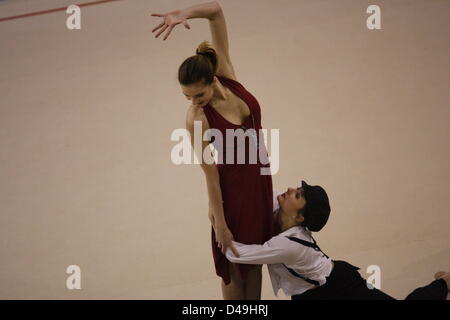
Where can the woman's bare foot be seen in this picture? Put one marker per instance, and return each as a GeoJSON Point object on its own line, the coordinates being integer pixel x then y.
{"type": "Point", "coordinates": [443, 275]}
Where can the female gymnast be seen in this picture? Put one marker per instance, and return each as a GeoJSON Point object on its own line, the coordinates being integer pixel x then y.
{"type": "Point", "coordinates": [240, 197]}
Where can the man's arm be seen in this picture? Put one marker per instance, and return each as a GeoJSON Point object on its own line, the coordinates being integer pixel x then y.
{"type": "Point", "coordinates": [276, 250]}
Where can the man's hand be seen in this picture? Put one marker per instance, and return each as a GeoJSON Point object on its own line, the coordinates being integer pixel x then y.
{"type": "Point", "coordinates": [224, 238]}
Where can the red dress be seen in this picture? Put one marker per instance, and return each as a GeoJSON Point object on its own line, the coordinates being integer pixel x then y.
{"type": "Point", "coordinates": [246, 194]}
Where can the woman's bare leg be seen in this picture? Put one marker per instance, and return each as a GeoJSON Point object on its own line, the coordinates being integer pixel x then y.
{"type": "Point", "coordinates": [253, 283]}
{"type": "Point", "coordinates": [235, 290]}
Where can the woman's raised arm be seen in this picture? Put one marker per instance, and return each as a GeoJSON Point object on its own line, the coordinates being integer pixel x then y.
{"type": "Point", "coordinates": [213, 12]}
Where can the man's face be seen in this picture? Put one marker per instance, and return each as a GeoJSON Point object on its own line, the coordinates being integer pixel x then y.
{"type": "Point", "coordinates": [291, 202]}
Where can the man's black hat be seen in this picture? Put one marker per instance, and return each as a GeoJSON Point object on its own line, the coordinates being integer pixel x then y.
{"type": "Point", "coordinates": [317, 209]}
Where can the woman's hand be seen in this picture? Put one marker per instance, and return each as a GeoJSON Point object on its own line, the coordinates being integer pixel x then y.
{"type": "Point", "coordinates": [170, 20]}
{"type": "Point", "coordinates": [224, 238]}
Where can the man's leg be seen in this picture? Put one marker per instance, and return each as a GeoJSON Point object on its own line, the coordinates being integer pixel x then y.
{"type": "Point", "coordinates": [362, 292]}
{"type": "Point", "coordinates": [347, 284]}
{"type": "Point", "coordinates": [436, 290]}
{"type": "Point", "coordinates": [344, 283]}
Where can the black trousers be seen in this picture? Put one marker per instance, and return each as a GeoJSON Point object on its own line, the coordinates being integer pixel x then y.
{"type": "Point", "coordinates": [345, 283]}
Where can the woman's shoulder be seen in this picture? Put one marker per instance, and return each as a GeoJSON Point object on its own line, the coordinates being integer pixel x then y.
{"type": "Point", "coordinates": [229, 81]}
{"type": "Point", "coordinates": [226, 78]}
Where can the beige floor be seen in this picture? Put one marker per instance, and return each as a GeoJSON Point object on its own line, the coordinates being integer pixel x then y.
{"type": "Point", "coordinates": [86, 118]}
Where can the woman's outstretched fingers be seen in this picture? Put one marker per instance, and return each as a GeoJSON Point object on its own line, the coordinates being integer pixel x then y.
{"type": "Point", "coordinates": [159, 26]}
{"type": "Point", "coordinates": [162, 30]}
{"type": "Point", "coordinates": [168, 32]}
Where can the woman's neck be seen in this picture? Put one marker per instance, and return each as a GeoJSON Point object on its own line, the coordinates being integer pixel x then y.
{"type": "Point", "coordinates": [220, 91]}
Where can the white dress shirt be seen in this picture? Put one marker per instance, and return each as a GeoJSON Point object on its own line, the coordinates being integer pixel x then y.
{"type": "Point", "coordinates": [280, 252]}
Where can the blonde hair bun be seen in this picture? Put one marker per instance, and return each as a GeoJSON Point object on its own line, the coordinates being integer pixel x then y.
{"type": "Point", "coordinates": [201, 67]}
{"type": "Point", "coordinates": [204, 47]}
